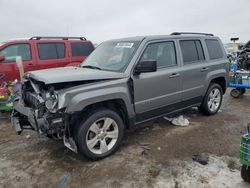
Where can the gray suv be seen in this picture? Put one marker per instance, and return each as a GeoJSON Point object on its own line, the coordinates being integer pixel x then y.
{"type": "Point", "coordinates": [122, 84]}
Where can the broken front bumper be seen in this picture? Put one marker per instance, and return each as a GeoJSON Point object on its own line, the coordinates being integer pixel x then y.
{"type": "Point", "coordinates": [27, 118]}
{"type": "Point", "coordinates": [23, 117]}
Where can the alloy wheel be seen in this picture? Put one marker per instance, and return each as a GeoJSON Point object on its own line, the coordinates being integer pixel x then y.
{"type": "Point", "coordinates": [102, 135]}
{"type": "Point", "coordinates": [214, 100]}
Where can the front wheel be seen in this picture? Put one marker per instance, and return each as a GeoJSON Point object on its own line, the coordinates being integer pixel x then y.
{"type": "Point", "coordinates": [100, 134]}
{"type": "Point", "coordinates": [212, 101]}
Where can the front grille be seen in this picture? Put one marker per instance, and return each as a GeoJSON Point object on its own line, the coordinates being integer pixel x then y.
{"type": "Point", "coordinates": [31, 99]}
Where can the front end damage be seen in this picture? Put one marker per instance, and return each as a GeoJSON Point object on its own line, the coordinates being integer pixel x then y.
{"type": "Point", "coordinates": [38, 110]}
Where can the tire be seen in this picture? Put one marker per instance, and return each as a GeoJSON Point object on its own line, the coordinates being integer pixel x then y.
{"type": "Point", "coordinates": [243, 91]}
{"type": "Point", "coordinates": [236, 93]}
{"type": "Point", "coordinates": [245, 173]}
{"type": "Point", "coordinates": [95, 140]}
{"type": "Point", "coordinates": [211, 106]}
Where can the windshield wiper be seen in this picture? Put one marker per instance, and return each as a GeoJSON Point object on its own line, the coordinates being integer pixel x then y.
{"type": "Point", "coordinates": [91, 67]}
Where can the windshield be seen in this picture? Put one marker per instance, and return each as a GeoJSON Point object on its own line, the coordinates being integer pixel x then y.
{"type": "Point", "coordinates": [112, 55]}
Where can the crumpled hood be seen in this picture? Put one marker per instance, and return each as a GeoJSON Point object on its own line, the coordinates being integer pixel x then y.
{"type": "Point", "coordinates": [72, 74]}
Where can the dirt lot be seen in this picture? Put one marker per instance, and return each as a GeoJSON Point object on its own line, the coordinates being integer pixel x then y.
{"type": "Point", "coordinates": [167, 161]}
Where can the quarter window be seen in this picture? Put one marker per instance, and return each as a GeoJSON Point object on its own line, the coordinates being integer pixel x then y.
{"type": "Point", "coordinates": [192, 51]}
{"type": "Point", "coordinates": [81, 49]}
{"type": "Point", "coordinates": [214, 49]}
{"type": "Point", "coordinates": [51, 51]}
{"type": "Point", "coordinates": [14, 50]}
{"type": "Point", "coordinates": [163, 52]}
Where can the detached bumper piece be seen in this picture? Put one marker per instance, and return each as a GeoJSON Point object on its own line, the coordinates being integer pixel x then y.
{"type": "Point", "coordinates": [16, 124]}
{"type": "Point", "coordinates": [23, 118]}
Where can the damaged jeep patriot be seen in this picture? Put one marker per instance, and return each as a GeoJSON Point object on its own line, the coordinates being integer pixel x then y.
{"type": "Point", "coordinates": [123, 83]}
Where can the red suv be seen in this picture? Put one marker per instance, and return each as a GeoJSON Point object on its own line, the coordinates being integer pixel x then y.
{"type": "Point", "coordinates": [42, 53]}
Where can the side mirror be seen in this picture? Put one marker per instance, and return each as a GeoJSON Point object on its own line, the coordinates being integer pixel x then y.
{"type": "Point", "coordinates": [2, 58]}
{"type": "Point", "coordinates": [146, 66]}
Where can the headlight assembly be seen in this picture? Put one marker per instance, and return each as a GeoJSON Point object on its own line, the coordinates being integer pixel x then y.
{"type": "Point", "coordinates": [51, 102]}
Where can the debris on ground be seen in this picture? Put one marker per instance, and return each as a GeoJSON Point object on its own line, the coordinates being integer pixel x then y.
{"type": "Point", "coordinates": [144, 152]}
{"type": "Point", "coordinates": [64, 180]}
{"type": "Point", "coordinates": [145, 147]}
{"type": "Point", "coordinates": [179, 121]}
{"type": "Point", "coordinates": [28, 136]}
{"type": "Point", "coordinates": [201, 158]}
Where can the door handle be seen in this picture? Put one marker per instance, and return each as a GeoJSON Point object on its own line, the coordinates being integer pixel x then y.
{"type": "Point", "coordinates": [204, 69]}
{"type": "Point", "coordinates": [30, 64]}
{"type": "Point", "coordinates": [174, 75]}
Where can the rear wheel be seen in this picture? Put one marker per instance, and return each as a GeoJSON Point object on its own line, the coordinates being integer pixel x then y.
{"type": "Point", "coordinates": [212, 100]}
{"type": "Point", "coordinates": [100, 134]}
{"type": "Point", "coordinates": [245, 173]}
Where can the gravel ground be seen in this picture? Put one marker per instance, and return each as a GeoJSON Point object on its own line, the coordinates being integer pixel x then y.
{"type": "Point", "coordinates": [32, 161]}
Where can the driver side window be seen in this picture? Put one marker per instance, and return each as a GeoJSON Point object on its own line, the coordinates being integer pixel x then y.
{"type": "Point", "coordinates": [14, 50]}
{"type": "Point", "coordinates": [163, 52]}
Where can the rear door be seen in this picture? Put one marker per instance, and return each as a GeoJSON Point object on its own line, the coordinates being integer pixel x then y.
{"type": "Point", "coordinates": [51, 54]}
{"type": "Point", "coordinates": [80, 50]}
{"type": "Point", "coordinates": [195, 70]}
{"type": "Point", "coordinates": [159, 92]}
{"type": "Point", "coordinates": [11, 51]}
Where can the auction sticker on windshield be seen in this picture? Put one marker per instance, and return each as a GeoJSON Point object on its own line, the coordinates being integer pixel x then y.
{"type": "Point", "coordinates": [124, 45]}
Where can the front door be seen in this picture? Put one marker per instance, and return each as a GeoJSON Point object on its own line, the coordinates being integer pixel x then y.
{"type": "Point", "coordinates": [8, 68]}
{"type": "Point", "coordinates": [159, 92]}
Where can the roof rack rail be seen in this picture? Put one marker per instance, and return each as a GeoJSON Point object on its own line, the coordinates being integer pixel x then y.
{"type": "Point", "coordinates": [63, 38]}
{"type": "Point", "coordinates": [191, 33]}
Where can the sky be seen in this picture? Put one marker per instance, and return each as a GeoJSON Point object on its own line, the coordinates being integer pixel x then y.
{"type": "Point", "coordinates": [109, 19]}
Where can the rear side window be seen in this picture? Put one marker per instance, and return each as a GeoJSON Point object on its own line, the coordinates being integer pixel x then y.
{"type": "Point", "coordinates": [81, 49]}
{"type": "Point", "coordinates": [214, 49]}
{"type": "Point", "coordinates": [51, 51]}
{"type": "Point", "coordinates": [14, 50]}
{"type": "Point", "coordinates": [192, 51]}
